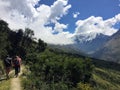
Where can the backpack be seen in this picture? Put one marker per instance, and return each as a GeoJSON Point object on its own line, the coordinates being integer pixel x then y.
{"type": "Point", "coordinates": [7, 62]}
{"type": "Point", "coordinates": [17, 63]}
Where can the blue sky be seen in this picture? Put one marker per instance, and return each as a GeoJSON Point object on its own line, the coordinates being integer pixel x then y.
{"type": "Point", "coordinates": [59, 21]}
{"type": "Point", "coordinates": [104, 8]}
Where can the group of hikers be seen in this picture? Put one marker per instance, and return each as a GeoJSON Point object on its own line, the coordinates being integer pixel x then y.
{"type": "Point", "coordinates": [9, 63]}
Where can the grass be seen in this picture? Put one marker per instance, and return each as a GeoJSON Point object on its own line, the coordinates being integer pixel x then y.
{"type": "Point", "coordinates": [5, 85]}
{"type": "Point", "coordinates": [106, 79]}
{"type": "Point", "coordinates": [1, 68]}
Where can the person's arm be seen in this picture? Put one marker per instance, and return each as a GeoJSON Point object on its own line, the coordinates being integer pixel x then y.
{"type": "Point", "coordinates": [10, 61]}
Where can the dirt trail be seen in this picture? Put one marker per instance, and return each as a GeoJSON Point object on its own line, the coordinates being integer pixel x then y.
{"type": "Point", "coordinates": [16, 82]}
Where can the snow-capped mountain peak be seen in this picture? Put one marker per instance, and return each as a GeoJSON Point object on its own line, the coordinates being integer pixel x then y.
{"type": "Point", "coordinates": [86, 37]}
{"type": "Point", "coordinates": [89, 42]}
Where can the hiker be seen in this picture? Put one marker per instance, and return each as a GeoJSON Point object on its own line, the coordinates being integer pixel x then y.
{"type": "Point", "coordinates": [17, 64]}
{"type": "Point", "coordinates": [7, 64]}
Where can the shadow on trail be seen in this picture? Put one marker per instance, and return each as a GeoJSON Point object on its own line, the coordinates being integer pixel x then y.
{"type": "Point", "coordinates": [2, 79]}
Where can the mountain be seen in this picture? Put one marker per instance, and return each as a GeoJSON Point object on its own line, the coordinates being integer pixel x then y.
{"type": "Point", "coordinates": [89, 43]}
{"type": "Point", "coordinates": [67, 49]}
{"type": "Point", "coordinates": [84, 44]}
{"type": "Point", "coordinates": [111, 50]}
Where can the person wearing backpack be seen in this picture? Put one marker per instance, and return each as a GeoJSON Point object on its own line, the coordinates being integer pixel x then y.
{"type": "Point", "coordinates": [7, 64]}
{"type": "Point", "coordinates": [17, 64]}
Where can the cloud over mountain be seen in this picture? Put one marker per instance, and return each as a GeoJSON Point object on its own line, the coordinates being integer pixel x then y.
{"type": "Point", "coordinates": [97, 25]}
{"type": "Point", "coordinates": [23, 13]}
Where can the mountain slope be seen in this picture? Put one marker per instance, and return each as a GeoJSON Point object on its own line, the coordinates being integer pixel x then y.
{"type": "Point", "coordinates": [67, 49]}
{"type": "Point", "coordinates": [90, 43]}
{"type": "Point", "coordinates": [106, 79]}
{"type": "Point", "coordinates": [84, 44]}
{"type": "Point", "coordinates": [111, 50]}
{"type": "Point", "coordinates": [106, 75]}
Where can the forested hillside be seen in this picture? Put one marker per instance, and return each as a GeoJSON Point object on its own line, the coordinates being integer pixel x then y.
{"type": "Point", "coordinates": [18, 42]}
{"type": "Point", "coordinates": [48, 69]}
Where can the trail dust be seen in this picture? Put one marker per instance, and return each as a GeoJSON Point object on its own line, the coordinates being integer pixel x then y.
{"type": "Point", "coordinates": [16, 82]}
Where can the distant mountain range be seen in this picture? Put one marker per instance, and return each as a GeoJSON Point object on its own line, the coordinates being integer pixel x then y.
{"type": "Point", "coordinates": [94, 45]}
{"type": "Point", "coordinates": [67, 49]}
{"type": "Point", "coordinates": [90, 43]}
{"type": "Point", "coordinates": [110, 51]}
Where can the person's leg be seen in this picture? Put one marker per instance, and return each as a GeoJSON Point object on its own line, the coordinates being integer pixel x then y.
{"type": "Point", "coordinates": [7, 72]}
{"type": "Point", "coordinates": [16, 71]}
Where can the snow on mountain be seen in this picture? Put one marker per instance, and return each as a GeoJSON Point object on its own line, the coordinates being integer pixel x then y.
{"type": "Point", "coordinates": [89, 43]}
{"type": "Point", "coordinates": [110, 51]}
{"type": "Point", "coordinates": [85, 37]}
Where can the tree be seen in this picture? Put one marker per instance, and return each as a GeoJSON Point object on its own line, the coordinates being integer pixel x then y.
{"type": "Point", "coordinates": [19, 37]}
{"type": "Point", "coordinates": [4, 43]}
{"type": "Point", "coordinates": [27, 37]}
{"type": "Point", "coordinates": [29, 33]}
{"type": "Point", "coordinates": [3, 26]}
{"type": "Point", "coordinates": [41, 46]}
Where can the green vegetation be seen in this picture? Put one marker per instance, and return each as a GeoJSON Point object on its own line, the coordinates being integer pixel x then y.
{"type": "Point", "coordinates": [56, 71]}
{"type": "Point", "coordinates": [5, 85]}
{"type": "Point", "coordinates": [20, 42]}
{"type": "Point", "coordinates": [1, 69]}
{"type": "Point", "coordinates": [82, 86]}
{"type": "Point", "coordinates": [48, 69]}
{"type": "Point", "coordinates": [106, 79]}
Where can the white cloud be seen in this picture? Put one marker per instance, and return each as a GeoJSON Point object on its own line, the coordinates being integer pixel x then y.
{"type": "Point", "coordinates": [22, 14]}
{"type": "Point", "coordinates": [60, 38]}
{"type": "Point", "coordinates": [76, 14]}
{"type": "Point", "coordinates": [119, 5]}
{"type": "Point", "coordinates": [17, 13]}
{"type": "Point", "coordinates": [58, 9]}
{"type": "Point", "coordinates": [97, 25]}
{"type": "Point", "coordinates": [4, 9]}
{"type": "Point", "coordinates": [22, 6]}
{"type": "Point", "coordinates": [59, 27]}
